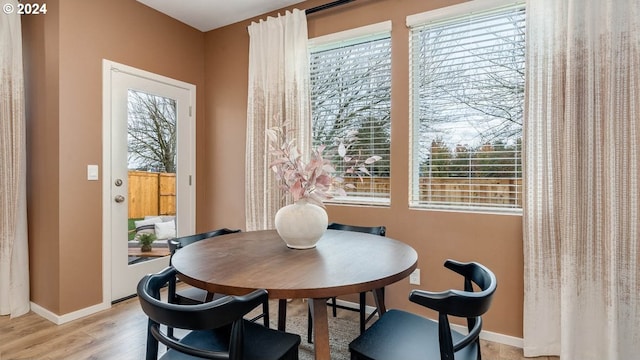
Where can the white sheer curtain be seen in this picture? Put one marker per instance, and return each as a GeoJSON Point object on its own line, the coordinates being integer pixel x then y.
{"type": "Point", "coordinates": [582, 168]}
{"type": "Point", "coordinates": [14, 257]}
{"type": "Point", "coordinates": [278, 92]}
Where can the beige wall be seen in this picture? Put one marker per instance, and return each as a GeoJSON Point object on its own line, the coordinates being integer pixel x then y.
{"type": "Point", "coordinates": [65, 129]}
{"type": "Point", "coordinates": [41, 61]}
{"type": "Point", "coordinates": [495, 240]}
{"type": "Point", "coordinates": [63, 53]}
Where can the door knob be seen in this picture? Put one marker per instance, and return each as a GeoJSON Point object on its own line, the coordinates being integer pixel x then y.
{"type": "Point", "coordinates": [119, 198]}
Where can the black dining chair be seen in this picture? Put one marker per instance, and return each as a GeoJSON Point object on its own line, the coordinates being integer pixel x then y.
{"type": "Point", "coordinates": [364, 319]}
{"type": "Point", "coordinates": [214, 330]}
{"type": "Point", "coordinates": [402, 335]}
{"type": "Point", "coordinates": [188, 294]}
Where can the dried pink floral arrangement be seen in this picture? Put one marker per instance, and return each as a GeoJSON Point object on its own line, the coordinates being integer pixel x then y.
{"type": "Point", "coordinates": [315, 180]}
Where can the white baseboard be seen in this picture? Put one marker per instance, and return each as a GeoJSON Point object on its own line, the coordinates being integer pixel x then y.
{"type": "Point", "coordinates": [355, 306]}
{"type": "Point", "coordinates": [493, 336]}
{"type": "Point", "coordinates": [484, 335]}
{"type": "Point", "coordinates": [61, 319]}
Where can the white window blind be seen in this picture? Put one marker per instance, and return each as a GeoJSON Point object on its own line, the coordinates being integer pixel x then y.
{"type": "Point", "coordinates": [351, 92]}
{"type": "Point", "coordinates": [467, 98]}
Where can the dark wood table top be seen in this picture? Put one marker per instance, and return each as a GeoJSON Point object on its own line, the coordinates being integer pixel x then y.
{"type": "Point", "coordinates": [343, 262]}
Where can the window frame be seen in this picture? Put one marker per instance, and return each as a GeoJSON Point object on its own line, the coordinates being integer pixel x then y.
{"type": "Point", "coordinates": [342, 39]}
{"type": "Point", "coordinates": [445, 15]}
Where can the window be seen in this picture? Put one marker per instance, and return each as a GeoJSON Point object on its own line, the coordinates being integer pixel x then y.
{"type": "Point", "coordinates": [351, 93]}
{"type": "Point", "coordinates": [467, 100]}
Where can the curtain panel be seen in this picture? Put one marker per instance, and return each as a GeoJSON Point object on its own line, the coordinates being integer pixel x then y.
{"type": "Point", "coordinates": [14, 257]}
{"type": "Point", "coordinates": [278, 93]}
{"type": "Point", "coordinates": [582, 199]}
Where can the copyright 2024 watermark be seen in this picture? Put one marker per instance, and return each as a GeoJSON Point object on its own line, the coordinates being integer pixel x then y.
{"type": "Point", "coordinates": [25, 9]}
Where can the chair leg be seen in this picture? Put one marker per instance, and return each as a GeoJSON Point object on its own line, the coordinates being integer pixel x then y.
{"type": "Point", "coordinates": [282, 314]}
{"type": "Point", "coordinates": [309, 324]}
{"type": "Point", "coordinates": [171, 298]}
{"type": "Point", "coordinates": [363, 313]}
{"type": "Point", "coordinates": [152, 343]}
{"type": "Point", "coordinates": [334, 307]}
{"type": "Point", "coordinates": [265, 313]}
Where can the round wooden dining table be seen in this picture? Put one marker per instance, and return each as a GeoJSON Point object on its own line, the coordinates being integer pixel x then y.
{"type": "Point", "coordinates": [343, 262]}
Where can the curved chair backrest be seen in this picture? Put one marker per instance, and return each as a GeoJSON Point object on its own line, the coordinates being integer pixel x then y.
{"type": "Point", "coordinates": [461, 303]}
{"type": "Point", "coordinates": [467, 304]}
{"type": "Point", "coordinates": [375, 230]}
{"type": "Point", "coordinates": [180, 242]}
{"type": "Point", "coordinates": [211, 315]}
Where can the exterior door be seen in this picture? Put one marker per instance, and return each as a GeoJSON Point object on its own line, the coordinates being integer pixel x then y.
{"type": "Point", "coordinates": [149, 171]}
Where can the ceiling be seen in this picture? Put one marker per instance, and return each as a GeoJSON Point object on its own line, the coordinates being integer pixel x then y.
{"type": "Point", "coordinates": [206, 15]}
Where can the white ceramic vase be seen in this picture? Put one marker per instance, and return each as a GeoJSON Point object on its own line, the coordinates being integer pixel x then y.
{"type": "Point", "coordinates": [301, 224]}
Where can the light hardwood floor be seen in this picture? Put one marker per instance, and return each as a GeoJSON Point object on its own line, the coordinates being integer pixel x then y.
{"type": "Point", "coordinates": [119, 333]}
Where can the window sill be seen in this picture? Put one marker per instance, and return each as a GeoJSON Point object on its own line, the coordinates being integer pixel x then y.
{"type": "Point", "coordinates": [469, 209]}
{"type": "Point", "coordinates": [359, 201]}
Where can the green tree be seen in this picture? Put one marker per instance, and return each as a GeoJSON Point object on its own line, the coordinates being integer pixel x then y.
{"type": "Point", "coordinates": [461, 164]}
{"type": "Point", "coordinates": [498, 160]}
{"type": "Point", "coordinates": [439, 164]}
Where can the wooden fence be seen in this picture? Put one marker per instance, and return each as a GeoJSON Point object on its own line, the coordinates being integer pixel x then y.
{"type": "Point", "coordinates": [503, 192]}
{"type": "Point", "coordinates": [151, 193]}
{"type": "Point", "coordinates": [499, 191]}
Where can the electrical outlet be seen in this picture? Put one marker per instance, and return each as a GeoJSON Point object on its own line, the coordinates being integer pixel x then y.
{"type": "Point", "coordinates": [414, 278]}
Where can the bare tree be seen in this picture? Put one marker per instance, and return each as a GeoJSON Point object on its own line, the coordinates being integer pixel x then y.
{"type": "Point", "coordinates": [469, 93]}
{"type": "Point", "coordinates": [351, 92]}
{"type": "Point", "coordinates": [152, 132]}
{"type": "Point", "coordinates": [496, 87]}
